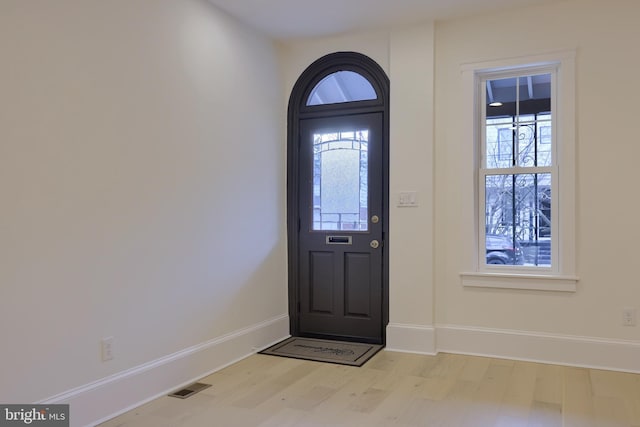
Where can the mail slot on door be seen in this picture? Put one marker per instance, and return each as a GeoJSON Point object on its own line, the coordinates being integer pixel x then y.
{"type": "Point", "coordinates": [338, 240]}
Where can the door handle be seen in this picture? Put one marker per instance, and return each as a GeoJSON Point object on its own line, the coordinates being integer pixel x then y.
{"type": "Point", "coordinates": [374, 244]}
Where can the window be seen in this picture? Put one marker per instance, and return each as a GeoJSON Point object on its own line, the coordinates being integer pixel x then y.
{"type": "Point", "coordinates": [342, 86]}
{"type": "Point", "coordinates": [523, 159]}
{"type": "Point", "coordinates": [517, 172]}
{"type": "Point", "coordinates": [340, 186]}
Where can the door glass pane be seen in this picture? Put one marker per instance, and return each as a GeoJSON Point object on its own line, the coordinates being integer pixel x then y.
{"type": "Point", "coordinates": [342, 86]}
{"type": "Point", "coordinates": [518, 219]}
{"type": "Point", "coordinates": [340, 180]}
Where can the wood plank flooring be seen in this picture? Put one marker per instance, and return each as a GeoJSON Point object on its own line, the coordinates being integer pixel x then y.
{"type": "Point", "coordinates": [399, 389]}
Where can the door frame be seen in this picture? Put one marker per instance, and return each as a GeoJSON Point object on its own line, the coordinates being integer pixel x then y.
{"type": "Point", "coordinates": [298, 110]}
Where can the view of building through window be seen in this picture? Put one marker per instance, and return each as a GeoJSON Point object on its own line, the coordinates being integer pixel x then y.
{"type": "Point", "coordinates": [517, 172]}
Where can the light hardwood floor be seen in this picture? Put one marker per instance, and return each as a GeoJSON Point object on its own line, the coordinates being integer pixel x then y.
{"type": "Point", "coordinates": [399, 389]}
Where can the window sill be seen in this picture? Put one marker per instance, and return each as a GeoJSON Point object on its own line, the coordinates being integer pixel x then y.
{"type": "Point", "coordinates": [520, 281]}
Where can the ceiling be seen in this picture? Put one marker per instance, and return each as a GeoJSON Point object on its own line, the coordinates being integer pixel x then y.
{"type": "Point", "coordinates": [286, 19]}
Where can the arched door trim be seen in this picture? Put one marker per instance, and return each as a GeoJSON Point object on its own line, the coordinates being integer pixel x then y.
{"type": "Point", "coordinates": [299, 110]}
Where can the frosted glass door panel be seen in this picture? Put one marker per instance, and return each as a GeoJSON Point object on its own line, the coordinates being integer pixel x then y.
{"type": "Point", "coordinates": [340, 171]}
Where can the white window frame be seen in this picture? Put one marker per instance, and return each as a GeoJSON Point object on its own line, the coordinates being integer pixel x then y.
{"type": "Point", "coordinates": [561, 276]}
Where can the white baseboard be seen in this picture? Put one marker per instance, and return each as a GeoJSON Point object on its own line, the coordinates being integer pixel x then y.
{"type": "Point", "coordinates": [587, 352]}
{"type": "Point", "coordinates": [101, 400]}
{"type": "Point", "coordinates": [411, 338]}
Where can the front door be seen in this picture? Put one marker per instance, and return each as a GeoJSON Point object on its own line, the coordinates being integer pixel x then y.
{"type": "Point", "coordinates": [340, 239]}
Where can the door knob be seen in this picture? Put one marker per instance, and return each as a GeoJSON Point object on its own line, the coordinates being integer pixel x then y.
{"type": "Point", "coordinates": [374, 244]}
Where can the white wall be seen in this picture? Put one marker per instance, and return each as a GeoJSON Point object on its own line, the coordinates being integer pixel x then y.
{"type": "Point", "coordinates": [406, 55]}
{"type": "Point", "coordinates": [142, 183]}
{"type": "Point", "coordinates": [605, 35]}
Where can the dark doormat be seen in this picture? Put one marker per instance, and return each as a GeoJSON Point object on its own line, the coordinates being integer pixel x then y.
{"type": "Point", "coordinates": [341, 352]}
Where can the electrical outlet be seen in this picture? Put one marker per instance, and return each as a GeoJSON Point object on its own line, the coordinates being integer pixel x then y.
{"type": "Point", "coordinates": [629, 316]}
{"type": "Point", "coordinates": [107, 349]}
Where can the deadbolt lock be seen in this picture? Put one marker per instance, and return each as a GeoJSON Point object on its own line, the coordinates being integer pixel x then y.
{"type": "Point", "coordinates": [375, 219]}
{"type": "Point", "coordinates": [374, 244]}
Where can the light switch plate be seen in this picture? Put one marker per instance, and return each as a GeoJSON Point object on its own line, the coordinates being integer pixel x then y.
{"type": "Point", "coordinates": [408, 199]}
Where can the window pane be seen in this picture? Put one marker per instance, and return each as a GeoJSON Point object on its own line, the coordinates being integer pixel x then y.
{"type": "Point", "coordinates": [342, 86]}
{"type": "Point", "coordinates": [500, 128]}
{"type": "Point", "coordinates": [518, 122]}
{"type": "Point", "coordinates": [518, 219]}
{"type": "Point", "coordinates": [525, 130]}
{"type": "Point", "coordinates": [501, 96]}
{"type": "Point", "coordinates": [544, 140]}
{"type": "Point", "coordinates": [340, 178]}
{"type": "Point", "coordinates": [534, 115]}
{"type": "Point", "coordinates": [499, 143]}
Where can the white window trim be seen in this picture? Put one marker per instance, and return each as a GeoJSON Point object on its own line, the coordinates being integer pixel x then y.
{"type": "Point", "coordinates": [562, 276]}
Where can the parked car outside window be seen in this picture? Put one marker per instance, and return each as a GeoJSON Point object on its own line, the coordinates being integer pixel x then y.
{"type": "Point", "coordinates": [501, 250]}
